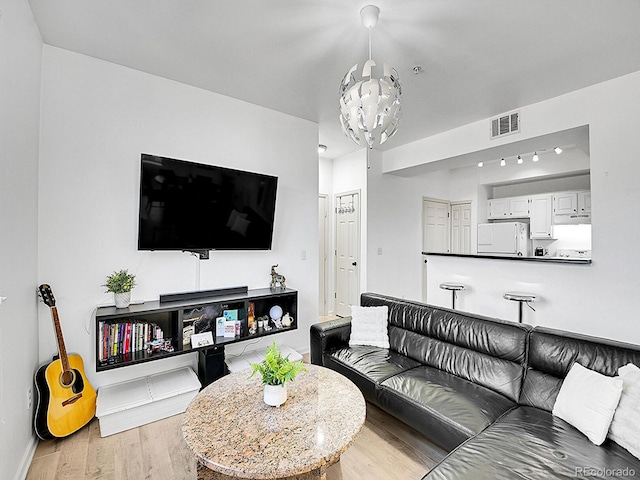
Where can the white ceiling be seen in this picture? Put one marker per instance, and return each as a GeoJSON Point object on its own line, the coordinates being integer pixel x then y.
{"type": "Point", "coordinates": [480, 57]}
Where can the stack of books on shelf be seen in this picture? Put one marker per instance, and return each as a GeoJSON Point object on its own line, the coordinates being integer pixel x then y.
{"type": "Point", "coordinates": [122, 338]}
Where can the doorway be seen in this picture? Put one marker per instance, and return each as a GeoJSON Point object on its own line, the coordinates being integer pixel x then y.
{"type": "Point", "coordinates": [435, 225]}
{"type": "Point", "coordinates": [446, 228]}
{"type": "Point", "coordinates": [461, 227]}
{"type": "Point", "coordinates": [435, 233]}
{"type": "Point", "coordinates": [347, 225]}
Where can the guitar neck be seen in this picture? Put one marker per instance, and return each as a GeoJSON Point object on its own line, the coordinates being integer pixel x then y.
{"type": "Point", "coordinates": [62, 351]}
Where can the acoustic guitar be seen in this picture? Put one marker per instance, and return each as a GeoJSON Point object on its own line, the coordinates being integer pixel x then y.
{"type": "Point", "coordinates": [66, 401]}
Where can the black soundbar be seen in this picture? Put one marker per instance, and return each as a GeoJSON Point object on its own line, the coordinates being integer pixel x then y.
{"type": "Point", "coordinates": [195, 295]}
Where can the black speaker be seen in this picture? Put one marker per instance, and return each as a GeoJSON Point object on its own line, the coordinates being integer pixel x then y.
{"type": "Point", "coordinates": [211, 365]}
{"type": "Point", "coordinates": [198, 294]}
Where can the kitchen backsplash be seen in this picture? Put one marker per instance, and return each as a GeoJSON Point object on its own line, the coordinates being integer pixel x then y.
{"type": "Point", "coordinates": [569, 238]}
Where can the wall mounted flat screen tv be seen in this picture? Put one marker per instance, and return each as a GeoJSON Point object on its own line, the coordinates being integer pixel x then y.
{"type": "Point", "coordinates": [195, 207]}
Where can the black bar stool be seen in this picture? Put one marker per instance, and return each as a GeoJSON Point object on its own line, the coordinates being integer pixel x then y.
{"type": "Point", "coordinates": [521, 298]}
{"type": "Point", "coordinates": [453, 287]}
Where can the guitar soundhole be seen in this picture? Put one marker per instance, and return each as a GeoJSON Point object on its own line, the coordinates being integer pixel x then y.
{"type": "Point", "coordinates": [73, 379]}
{"type": "Point", "coordinates": [67, 378]}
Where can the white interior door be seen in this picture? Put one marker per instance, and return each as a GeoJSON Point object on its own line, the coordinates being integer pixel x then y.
{"type": "Point", "coordinates": [435, 224]}
{"type": "Point", "coordinates": [456, 228]}
{"type": "Point", "coordinates": [347, 252]}
{"type": "Point", "coordinates": [465, 238]}
{"type": "Point", "coordinates": [461, 227]}
{"type": "Point", "coordinates": [323, 257]}
{"type": "Point", "coordinates": [435, 233]}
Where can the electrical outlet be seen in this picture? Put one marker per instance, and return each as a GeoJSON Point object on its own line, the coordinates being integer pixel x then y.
{"type": "Point", "coordinates": [29, 398]}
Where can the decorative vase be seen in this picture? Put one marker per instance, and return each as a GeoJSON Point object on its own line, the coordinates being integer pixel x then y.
{"type": "Point", "coordinates": [122, 299]}
{"type": "Point", "coordinates": [275, 395]}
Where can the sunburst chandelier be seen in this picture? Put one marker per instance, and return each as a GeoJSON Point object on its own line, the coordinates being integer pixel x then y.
{"type": "Point", "coordinates": [369, 106]}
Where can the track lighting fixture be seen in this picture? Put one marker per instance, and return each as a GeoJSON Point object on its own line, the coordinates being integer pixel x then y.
{"type": "Point", "coordinates": [519, 159]}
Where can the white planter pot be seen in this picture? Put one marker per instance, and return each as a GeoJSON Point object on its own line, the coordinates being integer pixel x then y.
{"type": "Point", "coordinates": [275, 395]}
{"type": "Point", "coordinates": [122, 299]}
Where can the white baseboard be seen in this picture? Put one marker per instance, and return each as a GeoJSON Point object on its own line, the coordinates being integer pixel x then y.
{"type": "Point", "coordinates": [27, 457]}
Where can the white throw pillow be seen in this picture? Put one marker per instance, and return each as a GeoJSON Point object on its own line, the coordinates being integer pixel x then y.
{"type": "Point", "coordinates": [588, 400]}
{"type": "Point", "coordinates": [625, 427]}
{"type": "Point", "coordinates": [369, 326]}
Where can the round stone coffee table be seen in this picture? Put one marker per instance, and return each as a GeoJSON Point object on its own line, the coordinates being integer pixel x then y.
{"type": "Point", "coordinates": [234, 434]}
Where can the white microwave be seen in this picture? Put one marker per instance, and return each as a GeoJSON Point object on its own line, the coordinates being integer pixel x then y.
{"type": "Point", "coordinates": [506, 238]}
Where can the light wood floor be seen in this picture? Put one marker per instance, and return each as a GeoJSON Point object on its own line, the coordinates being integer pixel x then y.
{"type": "Point", "coordinates": [385, 449]}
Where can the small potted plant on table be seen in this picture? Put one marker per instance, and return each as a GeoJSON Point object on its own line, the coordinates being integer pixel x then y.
{"type": "Point", "coordinates": [276, 371]}
{"type": "Point", "coordinates": [121, 283]}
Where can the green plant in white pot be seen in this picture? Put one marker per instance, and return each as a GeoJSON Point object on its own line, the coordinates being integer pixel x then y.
{"type": "Point", "coordinates": [276, 371]}
{"type": "Point", "coordinates": [120, 284]}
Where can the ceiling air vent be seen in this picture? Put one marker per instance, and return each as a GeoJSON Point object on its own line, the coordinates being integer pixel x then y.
{"type": "Point", "coordinates": [505, 125]}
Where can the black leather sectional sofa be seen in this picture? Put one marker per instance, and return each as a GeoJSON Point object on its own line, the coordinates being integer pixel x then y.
{"type": "Point", "coordinates": [481, 388]}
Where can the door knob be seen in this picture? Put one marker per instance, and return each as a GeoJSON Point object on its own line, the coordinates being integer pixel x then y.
{"type": "Point", "coordinates": [354, 263]}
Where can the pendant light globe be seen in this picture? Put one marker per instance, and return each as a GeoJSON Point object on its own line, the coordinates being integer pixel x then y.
{"type": "Point", "coordinates": [370, 108]}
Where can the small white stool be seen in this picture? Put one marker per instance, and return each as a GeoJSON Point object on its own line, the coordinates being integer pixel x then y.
{"type": "Point", "coordinates": [521, 298]}
{"type": "Point", "coordinates": [453, 287]}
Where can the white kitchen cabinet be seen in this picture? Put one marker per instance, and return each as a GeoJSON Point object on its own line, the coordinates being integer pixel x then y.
{"type": "Point", "coordinates": [584, 202]}
{"type": "Point", "coordinates": [510, 207]}
{"type": "Point", "coordinates": [541, 211]}
{"type": "Point", "coordinates": [565, 203]}
{"type": "Point", "coordinates": [572, 208]}
{"type": "Point", "coordinates": [498, 208]}
{"type": "Point", "coordinates": [519, 207]}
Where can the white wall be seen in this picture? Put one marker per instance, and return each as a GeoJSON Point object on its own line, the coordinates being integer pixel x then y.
{"type": "Point", "coordinates": [21, 58]}
{"type": "Point", "coordinates": [325, 182]}
{"type": "Point", "coordinates": [597, 299]}
{"type": "Point", "coordinates": [467, 185]}
{"type": "Point", "coordinates": [395, 229]}
{"type": "Point", "coordinates": [96, 119]}
{"type": "Point", "coordinates": [325, 176]}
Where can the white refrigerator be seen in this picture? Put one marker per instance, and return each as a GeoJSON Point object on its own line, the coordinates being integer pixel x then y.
{"type": "Point", "coordinates": [509, 238]}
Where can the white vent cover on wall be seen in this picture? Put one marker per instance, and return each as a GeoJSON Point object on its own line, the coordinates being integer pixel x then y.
{"type": "Point", "coordinates": [505, 124]}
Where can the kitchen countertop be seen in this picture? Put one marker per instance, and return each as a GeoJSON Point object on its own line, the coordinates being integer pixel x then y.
{"type": "Point", "coordinates": [547, 259]}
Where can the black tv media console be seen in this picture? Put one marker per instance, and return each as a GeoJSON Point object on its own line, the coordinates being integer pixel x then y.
{"type": "Point", "coordinates": [123, 334]}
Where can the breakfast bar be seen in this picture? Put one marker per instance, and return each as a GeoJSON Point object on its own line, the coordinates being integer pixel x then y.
{"type": "Point", "coordinates": [554, 281]}
{"type": "Point", "coordinates": [544, 259]}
